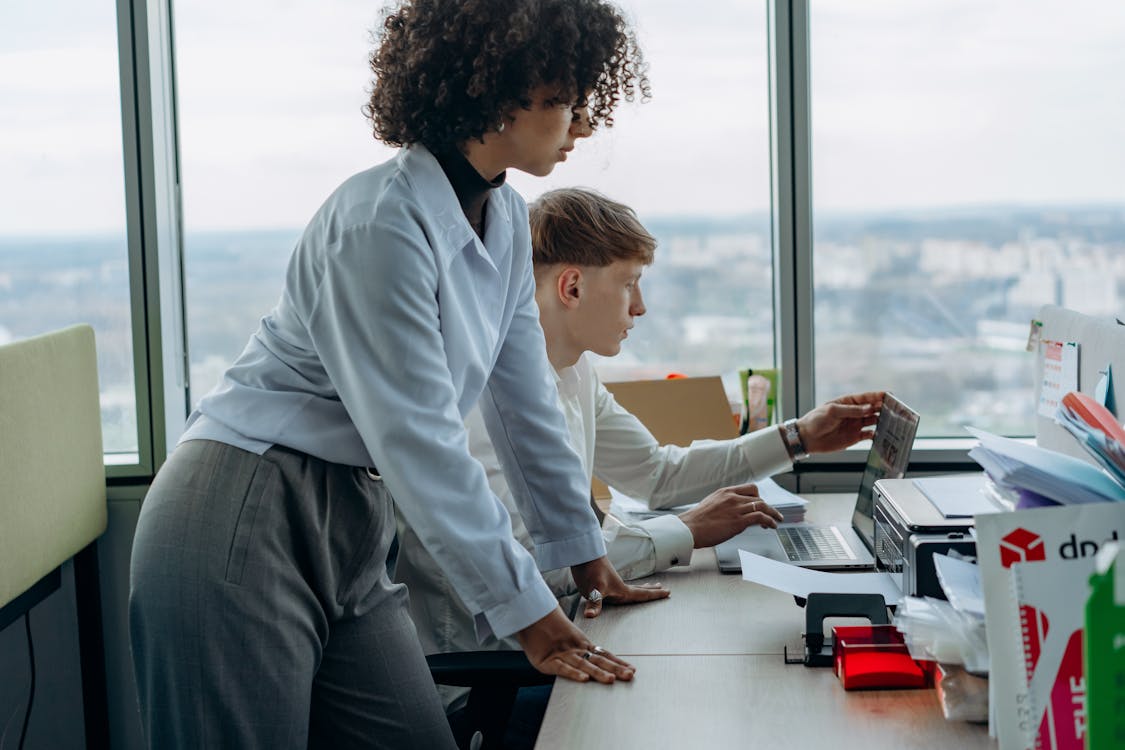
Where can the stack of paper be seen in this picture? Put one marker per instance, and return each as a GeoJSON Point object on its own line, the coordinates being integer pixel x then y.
{"type": "Point", "coordinates": [1096, 429]}
{"type": "Point", "coordinates": [629, 508]}
{"type": "Point", "coordinates": [792, 507]}
{"type": "Point", "coordinates": [1057, 477]}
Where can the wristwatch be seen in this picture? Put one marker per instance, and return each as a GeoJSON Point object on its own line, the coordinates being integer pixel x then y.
{"type": "Point", "coordinates": [793, 442]}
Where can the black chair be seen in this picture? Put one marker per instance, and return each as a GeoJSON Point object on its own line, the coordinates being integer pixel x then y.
{"type": "Point", "coordinates": [494, 678]}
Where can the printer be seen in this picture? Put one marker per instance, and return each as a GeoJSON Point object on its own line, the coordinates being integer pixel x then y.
{"type": "Point", "coordinates": [909, 530]}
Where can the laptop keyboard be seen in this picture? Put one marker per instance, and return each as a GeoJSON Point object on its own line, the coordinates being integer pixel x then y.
{"type": "Point", "coordinates": [803, 543]}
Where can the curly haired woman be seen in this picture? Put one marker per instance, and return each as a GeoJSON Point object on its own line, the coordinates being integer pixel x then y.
{"type": "Point", "coordinates": [261, 613]}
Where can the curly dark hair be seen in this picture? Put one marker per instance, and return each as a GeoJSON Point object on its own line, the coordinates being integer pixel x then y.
{"type": "Point", "coordinates": [447, 71]}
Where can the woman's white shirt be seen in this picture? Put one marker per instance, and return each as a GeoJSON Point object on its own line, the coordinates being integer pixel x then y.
{"type": "Point", "coordinates": [395, 320]}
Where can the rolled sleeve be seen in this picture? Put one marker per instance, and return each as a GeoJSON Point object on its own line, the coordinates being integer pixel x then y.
{"type": "Point", "coordinates": [569, 552]}
{"type": "Point", "coordinates": [512, 616]}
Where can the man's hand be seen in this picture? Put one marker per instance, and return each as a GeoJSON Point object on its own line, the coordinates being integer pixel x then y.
{"type": "Point", "coordinates": [841, 422]}
{"type": "Point", "coordinates": [555, 646]}
{"type": "Point", "coordinates": [726, 512]}
{"type": "Point", "coordinates": [598, 575]}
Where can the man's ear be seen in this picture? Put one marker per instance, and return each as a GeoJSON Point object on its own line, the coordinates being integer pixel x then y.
{"type": "Point", "coordinates": [569, 286]}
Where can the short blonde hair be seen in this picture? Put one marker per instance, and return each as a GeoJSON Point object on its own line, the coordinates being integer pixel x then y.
{"type": "Point", "coordinates": [582, 227]}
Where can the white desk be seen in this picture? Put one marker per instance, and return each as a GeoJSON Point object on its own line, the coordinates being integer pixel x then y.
{"type": "Point", "coordinates": [710, 674]}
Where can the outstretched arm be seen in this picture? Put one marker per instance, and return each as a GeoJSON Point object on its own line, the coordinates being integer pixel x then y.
{"type": "Point", "coordinates": [841, 422]}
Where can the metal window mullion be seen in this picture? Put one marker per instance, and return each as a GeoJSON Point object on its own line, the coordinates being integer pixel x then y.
{"type": "Point", "coordinates": [795, 340]}
{"type": "Point", "coordinates": [791, 204]}
{"type": "Point", "coordinates": [790, 197]}
{"type": "Point", "coordinates": [134, 222]}
{"type": "Point", "coordinates": [801, 121]}
{"type": "Point", "coordinates": [152, 206]}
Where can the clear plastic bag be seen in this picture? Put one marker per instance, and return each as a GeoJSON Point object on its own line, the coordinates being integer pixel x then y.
{"type": "Point", "coordinates": [936, 631]}
{"type": "Point", "coordinates": [963, 696]}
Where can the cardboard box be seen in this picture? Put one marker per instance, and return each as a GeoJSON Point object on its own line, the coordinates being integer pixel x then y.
{"type": "Point", "coordinates": [676, 411]}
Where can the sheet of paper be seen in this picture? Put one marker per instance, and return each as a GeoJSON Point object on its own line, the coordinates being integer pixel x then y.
{"type": "Point", "coordinates": [1053, 475]}
{"type": "Point", "coordinates": [958, 496]}
{"type": "Point", "coordinates": [960, 581]}
{"type": "Point", "coordinates": [802, 581]}
{"type": "Point", "coordinates": [1060, 374]}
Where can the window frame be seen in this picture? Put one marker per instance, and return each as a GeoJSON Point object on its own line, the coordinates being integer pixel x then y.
{"type": "Point", "coordinates": [794, 296]}
{"type": "Point", "coordinates": [154, 231]}
{"type": "Point", "coordinates": [151, 167]}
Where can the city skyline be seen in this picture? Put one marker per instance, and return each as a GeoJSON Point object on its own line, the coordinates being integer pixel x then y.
{"type": "Point", "coordinates": [934, 308]}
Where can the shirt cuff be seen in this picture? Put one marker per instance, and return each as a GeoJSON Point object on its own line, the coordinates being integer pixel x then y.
{"type": "Point", "coordinates": [528, 606]}
{"type": "Point", "coordinates": [765, 452]}
{"type": "Point", "coordinates": [573, 551]}
{"type": "Point", "coordinates": [671, 539]}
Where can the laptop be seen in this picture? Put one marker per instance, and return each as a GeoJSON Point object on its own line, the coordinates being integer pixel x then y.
{"type": "Point", "coordinates": [836, 547]}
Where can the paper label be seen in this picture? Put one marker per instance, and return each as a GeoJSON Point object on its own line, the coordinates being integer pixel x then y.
{"type": "Point", "coordinates": [1060, 374]}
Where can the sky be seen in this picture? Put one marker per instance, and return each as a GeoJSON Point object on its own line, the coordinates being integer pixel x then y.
{"type": "Point", "coordinates": [914, 105]}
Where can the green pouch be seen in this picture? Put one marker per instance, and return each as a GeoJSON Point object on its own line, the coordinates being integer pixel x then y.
{"type": "Point", "coordinates": [758, 409]}
{"type": "Point", "coordinates": [1105, 650]}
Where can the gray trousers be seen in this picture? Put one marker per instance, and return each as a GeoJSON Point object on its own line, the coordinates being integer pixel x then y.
{"type": "Point", "coordinates": [261, 614]}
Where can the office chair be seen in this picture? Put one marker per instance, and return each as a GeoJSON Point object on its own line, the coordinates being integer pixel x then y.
{"type": "Point", "coordinates": [494, 678]}
{"type": "Point", "coordinates": [52, 492]}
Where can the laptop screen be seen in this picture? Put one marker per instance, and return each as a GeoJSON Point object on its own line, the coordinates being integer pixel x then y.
{"type": "Point", "coordinates": [887, 459]}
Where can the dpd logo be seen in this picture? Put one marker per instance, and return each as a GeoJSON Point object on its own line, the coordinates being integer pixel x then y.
{"type": "Point", "coordinates": [1021, 546]}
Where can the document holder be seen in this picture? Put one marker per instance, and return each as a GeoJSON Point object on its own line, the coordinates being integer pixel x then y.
{"type": "Point", "coordinates": [821, 606]}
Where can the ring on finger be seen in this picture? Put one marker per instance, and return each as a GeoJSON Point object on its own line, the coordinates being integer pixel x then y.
{"type": "Point", "coordinates": [587, 656]}
{"type": "Point", "coordinates": [597, 650]}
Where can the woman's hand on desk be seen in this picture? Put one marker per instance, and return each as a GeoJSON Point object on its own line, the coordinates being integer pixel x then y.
{"type": "Point", "coordinates": [554, 645]}
{"type": "Point", "coordinates": [599, 575]}
{"type": "Point", "coordinates": [835, 425]}
{"type": "Point", "coordinates": [726, 512]}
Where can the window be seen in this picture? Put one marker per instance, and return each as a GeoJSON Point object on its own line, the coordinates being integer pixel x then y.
{"type": "Point", "coordinates": [270, 123]}
{"type": "Point", "coordinates": [64, 258]}
{"type": "Point", "coordinates": [960, 177]}
{"type": "Point", "coordinates": [967, 165]}
{"type": "Point", "coordinates": [694, 162]}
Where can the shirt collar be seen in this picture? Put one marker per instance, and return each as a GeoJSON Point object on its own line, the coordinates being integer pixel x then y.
{"type": "Point", "coordinates": [438, 200]}
{"type": "Point", "coordinates": [567, 381]}
{"type": "Point", "coordinates": [470, 186]}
